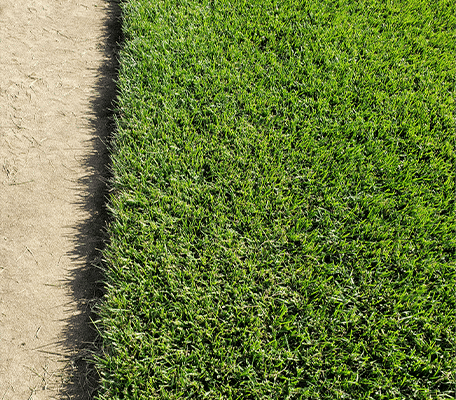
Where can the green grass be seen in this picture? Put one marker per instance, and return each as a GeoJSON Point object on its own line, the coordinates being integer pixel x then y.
{"type": "Point", "coordinates": [283, 202]}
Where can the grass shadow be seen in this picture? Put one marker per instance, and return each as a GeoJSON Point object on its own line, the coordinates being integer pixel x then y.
{"type": "Point", "coordinates": [86, 282]}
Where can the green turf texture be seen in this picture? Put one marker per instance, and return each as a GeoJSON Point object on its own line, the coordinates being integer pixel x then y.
{"type": "Point", "coordinates": [283, 221]}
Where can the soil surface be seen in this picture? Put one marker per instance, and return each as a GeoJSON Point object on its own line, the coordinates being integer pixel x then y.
{"type": "Point", "coordinates": [57, 62]}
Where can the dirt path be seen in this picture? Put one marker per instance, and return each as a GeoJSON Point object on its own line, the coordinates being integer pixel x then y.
{"type": "Point", "coordinates": [57, 67]}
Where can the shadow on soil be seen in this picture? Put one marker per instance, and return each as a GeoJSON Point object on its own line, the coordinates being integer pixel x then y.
{"type": "Point", "coordinates": [86, 282]}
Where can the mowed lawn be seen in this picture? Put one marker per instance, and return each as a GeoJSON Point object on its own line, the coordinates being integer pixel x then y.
{"type": "Point", "coordinates": [283, 221]}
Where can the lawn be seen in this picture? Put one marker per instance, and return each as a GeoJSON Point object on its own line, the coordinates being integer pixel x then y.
{"type": "Point", "coordinates": [283, 221]}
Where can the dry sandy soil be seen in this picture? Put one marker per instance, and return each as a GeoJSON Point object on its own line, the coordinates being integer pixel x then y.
{"type": "Point", "coordinates": [57, 63]}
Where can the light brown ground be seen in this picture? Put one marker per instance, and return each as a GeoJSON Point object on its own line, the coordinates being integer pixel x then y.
{"type": "Point", "coordinates": [57, 67]}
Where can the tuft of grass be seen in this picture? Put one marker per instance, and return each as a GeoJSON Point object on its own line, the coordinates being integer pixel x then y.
{"type": "Point", "coordinates": [283, 202]}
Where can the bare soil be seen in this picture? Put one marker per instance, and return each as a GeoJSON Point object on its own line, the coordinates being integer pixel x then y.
{"type": "Point", "coordinates": [57, 63]}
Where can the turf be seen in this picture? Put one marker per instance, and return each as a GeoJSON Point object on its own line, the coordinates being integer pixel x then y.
{"type": "Point", "coordinates": [283, 221]}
